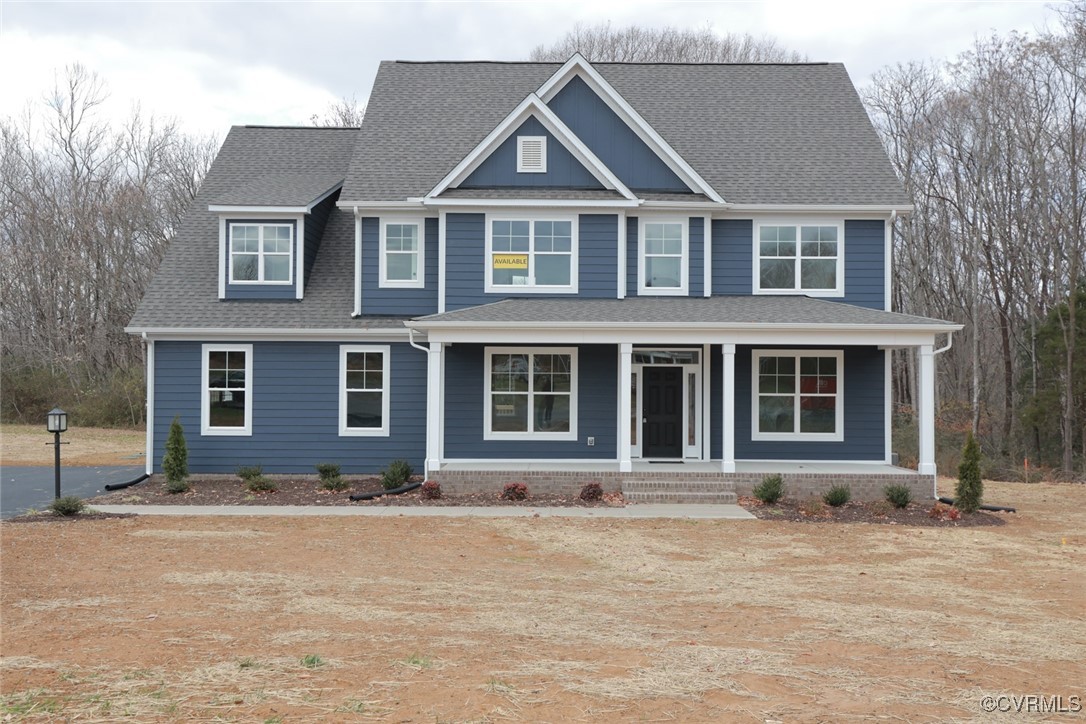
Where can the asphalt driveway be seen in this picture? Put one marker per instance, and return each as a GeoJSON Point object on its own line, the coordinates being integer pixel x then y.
{"type": "Point", "coordinates": [22, 488]}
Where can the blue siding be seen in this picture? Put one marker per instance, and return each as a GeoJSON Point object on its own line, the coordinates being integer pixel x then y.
{"type": "Point", "coordinates": [499, 170]}
{"type": "Point", "coordinates": [733, 249]}
{"type": "Point", "coordinates": [262, 291]}
{"type": "Point", "coordinates": [612, 140]}
{"type": "Point", "coordinates": [314, 230]}
{"type": "Point", "coordinates": [631, 256]}
{"type": "Point", "coordinates": [598, 266]}
{"type": "Point", "coordinates": [597, 391]}
{"type": "Point", "coordinates": [865, 402]}
{"type": "Point", "coordinates": [376, 300]}
{"type": "Point", "coordinates": [295, 391]}
{"type": "Point", "coordinates": [865, 263]}
{"type": "Point", "coordinates": [696, 262]}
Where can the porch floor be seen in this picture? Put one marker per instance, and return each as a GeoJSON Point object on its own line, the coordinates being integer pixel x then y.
{"type": "Point", "coordinates": [642, 466]}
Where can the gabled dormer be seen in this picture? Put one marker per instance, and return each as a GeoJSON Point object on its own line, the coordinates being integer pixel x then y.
{"type": "Point", "coordinates": [269, 231]}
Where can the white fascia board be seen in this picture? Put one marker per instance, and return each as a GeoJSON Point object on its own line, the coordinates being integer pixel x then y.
{"type": "Point", "coordinates": [705, 206]}
{"type": "Point", "coordinates": [527, 202]}
{"type": "Point", "coordinates": [838, 209]}
{"type": "Point", "coordinates": [310, 206]}
{"type": "Point", "coordinates": [372, 205]}
{"type": "Point", "coordinates": [221, 209]}
{"type": "Point", "coordinates": [671, 336]}
{"type": "Point", "coordinates": [308, 335]}
{"type": "Point", "coordinates": [578, 65]}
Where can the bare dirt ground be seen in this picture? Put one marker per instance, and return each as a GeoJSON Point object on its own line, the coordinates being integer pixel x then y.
{"type": "Point", "coordinates": [25, 445]}
{"type": "Point", "coordinates": [543, 619]}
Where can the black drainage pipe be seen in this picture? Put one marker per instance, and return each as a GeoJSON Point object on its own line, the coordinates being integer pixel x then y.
{"type": "Point", "coordinates": [129, 484]}
{"type": "Point", "coordinates": [394, 491]}
{"type": "Point", "coordinates": [993, 508]}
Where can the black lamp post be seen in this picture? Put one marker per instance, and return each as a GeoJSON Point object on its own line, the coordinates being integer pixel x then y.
{"type": "Point", "coordinates": [56, 422]}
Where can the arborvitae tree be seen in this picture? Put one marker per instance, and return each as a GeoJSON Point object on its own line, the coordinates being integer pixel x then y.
{"type": "Point", "coordinates": [970, 488]}
{"type": "Point", "coordinates": [175, 463]}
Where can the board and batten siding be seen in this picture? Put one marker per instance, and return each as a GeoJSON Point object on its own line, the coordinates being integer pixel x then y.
{"type": "Point", "coordinates": [597, 379]}
{"type": "Point", "coordinates": [397, 300]}
{"type": "Point", "coordinates": [263, 291]}
{"type": "Point", "coordinates": [499, 170]}
{"type": "Point", "coordinates": [295, 393]}
{"type": "Point", "coordinates": [613, 142]}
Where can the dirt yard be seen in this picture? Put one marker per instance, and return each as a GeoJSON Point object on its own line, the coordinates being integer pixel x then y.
{"type": "Point", "coordinates": [27, 445]}
{"type": "Point", "coordinates": [543, 619]}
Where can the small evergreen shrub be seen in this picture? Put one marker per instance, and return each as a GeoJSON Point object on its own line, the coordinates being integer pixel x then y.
{"type": "Point", "coordinates": [431, 490]}
{"type": "Point", "coordinates": [837, 496]}
{"type": "Point", "coordinates": [591, 493]}
{"type": "Point", "coordinates": [898, 495]}
{"type": "Point", "coordinates": [175, 462]}
{"type": "Point", "coordinates": [515, 491]}
{"type": "Point", "coordinates": [770, 490]}
{"type": "Point", "coordinates": [247, 472]}
{"type": "Point", "coordinates": [330, 477]}
{"type": "Point", "coordinates": [396, 474]}
{"type": "Point", "coordinates": [260, 484]}
{"type": "Point", "coordinates": [970, 488]}
{"type": "Point", "coordinates": [67, 506]}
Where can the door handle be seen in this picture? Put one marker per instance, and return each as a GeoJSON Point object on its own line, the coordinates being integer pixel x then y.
{"type": "Point", "coordinates": [644, 419]}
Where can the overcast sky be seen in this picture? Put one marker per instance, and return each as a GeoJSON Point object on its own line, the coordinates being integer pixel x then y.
{"type": "Point", "coordinates": [214, 64]}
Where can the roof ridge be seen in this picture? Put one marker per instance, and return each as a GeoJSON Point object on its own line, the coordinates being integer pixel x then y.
{"type": "Point", "coordinates": [300, 128]}
{"type": "Point", "coordinates": [611, 62]}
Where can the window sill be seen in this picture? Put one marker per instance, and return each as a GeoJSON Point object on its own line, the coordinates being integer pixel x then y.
{"type": "Point", "coordinates": [797, 437]}
{"type": "Point", "coordinates": [401, 285]}
{"type": "Point", "coordinates": [537, 436]}
{"type": "Point", "coordinates": [226, 431]}
{"type": "Point", "coordinates": [363, 432]}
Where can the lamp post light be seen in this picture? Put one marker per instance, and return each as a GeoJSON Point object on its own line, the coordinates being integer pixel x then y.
{"type": "Point", "coordinates": [56, 422]}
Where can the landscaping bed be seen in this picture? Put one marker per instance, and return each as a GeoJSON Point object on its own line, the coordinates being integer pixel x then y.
{"type": "Point", "coordinates": [922, 514]}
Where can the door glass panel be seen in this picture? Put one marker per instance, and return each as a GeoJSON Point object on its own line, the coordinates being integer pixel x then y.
{"type": "Point", "coordinates": [635, 414]}
{"type": "Point", "coordinates": [692, 409]}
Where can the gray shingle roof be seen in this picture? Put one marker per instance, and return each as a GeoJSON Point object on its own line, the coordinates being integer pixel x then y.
{"type": "Point", "coordinates": [721, 311]}
{"type": "Point", "coordinates": [184, 292]}
{"type": "Point", "coordinates": [758, 133]}
{"type": "Point", "coordinates": [281, 189]}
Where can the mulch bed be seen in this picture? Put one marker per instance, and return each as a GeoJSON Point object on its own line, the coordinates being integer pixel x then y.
{"type": "Point", "coordinates": [857, 512]}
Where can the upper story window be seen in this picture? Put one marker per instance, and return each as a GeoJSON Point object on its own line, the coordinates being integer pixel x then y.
{"type": "Point", "coordinates": [531, 154]}
{"type": "Point", "coordinates": [663, 257]}
{"type": "Point", "coordinates": [226, 400]}
{"type": "Point", "coordinates": [402, 253]}
{"type": "Point", "coordinates": [531, 255]}
{"type": "Point", "coordinates": [261, 253]}
{"type": "Point", "coordinates": [799, 258]}
{"type": "Point", "coordinates": [797, 395]}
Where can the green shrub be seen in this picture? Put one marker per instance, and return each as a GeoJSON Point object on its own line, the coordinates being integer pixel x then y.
{"type": "Point", "coordinates": [770, 490]}
{"type": "Point", "coordinates": [67, 506]}
{"type": "Point", "coordinates": [396, 474]}
{"type": "Point", "coordinates": [899, 495]}
{"type": "Point", "coordinates": [970, 488]}
{"type": "Point", "coordinates": [330, 477]}
{"type": "Point", "coordinates": [260, 484]}
{"type": "Point", "coordinates": [247, 472]}
{"type": "Point", "coordinates": [837, 496]}
{"type": "Point", "coordinates": [173, 487]}
{"type": "Point", "coordinates": [175, 463]}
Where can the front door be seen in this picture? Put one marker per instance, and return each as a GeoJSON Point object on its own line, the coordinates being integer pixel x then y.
{"type": "Point", "coordinates": [662, 426]}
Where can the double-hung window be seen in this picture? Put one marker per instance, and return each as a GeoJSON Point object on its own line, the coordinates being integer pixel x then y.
{"type": "Point", "coordinates": [803, 258]}
{"type": "Point", "coordinates": [226, 406]}
{"type": "Point", "coordinates": [797, 395]}
{"type": "Point", "coordinates": [261, 253]}
{"type": "Point", "coordinates": [529, 255]}
{"type": "Point", "coordinates": [402, 253]}
{"type": "Point", "coordinates": [531, 393]}
{"type": "Point", "coordinates": [364, 386]}
{"type": "Point", "coordinates": [662, 263]}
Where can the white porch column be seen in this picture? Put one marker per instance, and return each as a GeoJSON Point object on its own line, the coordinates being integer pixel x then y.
{"type": "Point", "coordinates": [927, 410]}
{"type": "Point", "coordinates": [727, 463]}
{"type": "Point", "coordinates": [625, 412]}
{"type": "Point", "coordinates": [434, 408]}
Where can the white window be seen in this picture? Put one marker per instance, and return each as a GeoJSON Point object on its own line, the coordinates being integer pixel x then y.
{"type": "Point", "coordinates": [531, 393]}
{"type": "Point", "coordinates": [531, 255]}
{"type": "Point", "coordinates": [402, 253]}
{"type": "Point", "coordinates": [662, 259]}
{"type": "Point", "coordinates": [797, 395]}
{"type": "Point", "coordinates": [364, 386]}
{"type": "Point", "coordinates": [799, 258]}
{"type": "Point", "coordinates": [226, 406]}
{"type": "Point", "coordinates": [261, 253]}
{"type": "Point", "coordinates": [531, 154]}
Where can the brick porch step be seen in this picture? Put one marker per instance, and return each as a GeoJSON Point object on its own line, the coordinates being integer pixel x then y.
{"type": "Point", "coordinates": [679, 490]}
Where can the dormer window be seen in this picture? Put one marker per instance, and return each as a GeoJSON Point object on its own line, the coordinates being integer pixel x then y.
{"type": "Point", "coordinates": [531, 154]}
{"type": "Point", "coordinates": [261, 253]}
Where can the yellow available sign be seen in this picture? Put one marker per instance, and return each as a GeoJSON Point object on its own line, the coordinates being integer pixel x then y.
{"type": "Point", "coordinates": [510, 261]}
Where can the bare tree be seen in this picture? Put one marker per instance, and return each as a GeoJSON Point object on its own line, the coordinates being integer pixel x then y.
{"type": "Point", "coordinates": [344, 113]}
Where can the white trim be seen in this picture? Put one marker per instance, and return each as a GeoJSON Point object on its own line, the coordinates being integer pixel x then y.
{"type": "Point", "coordinates": [846, 209]}
{"type": "Point", "coordinates": [926, 431]}
{"type": "Point", "coordinates": [578, 65]}
{"type": "Point", "coordinates": [689, 452]}
{"type": "Point", "coordinates": [224, 259]}
{"type": "Point", "coordinates": [357, 264]}
{"type": "Point", "coordinates": [374, 208]}
{"type": "Point", "coordinates": [386, 390]}
{"type": "Point", "coordinates": [434, 408]}
{"type": "Point", "coordinates": [149, 455]}
{"type": "Point", "coordinates": [248, 210]}
{"type": "Point", "coordinates": [707, 249]}
{"type": "Point", "coordinates": [260, 253]}
{"type": "Point", "coordinates": [205, 406]}
{"type": "Point", "coordinates": [532, 106]}
{"type": "Point", "coordinates": [382, 260]}
{"type": "Point", "coordinates": [837, 435]}
{"type": "Point", "coordinates": [214, 334]}
{"type": "Point", "coordinates": [684, 262]}
{"type": "Point", "coordinates": [621, 254]}
{"type": "Point", "coordinates": [542, 141]}
{"type": "Point", "coordinates": [706, 402]}
{"type": "Point", "coordinates": [888, 408]}
{"type": "Point", "coordinates": [625, 407]}
{"type": "Point", "coordinates": [756, 281]}
{"type": "Point", "coordinates": [528, 202]}
{"type": "Point", "coordinates": [489, 433]}
{"type": "Point", "coordinates": [299, 290]}
{"type": "Point", "coordinates": [531, 288]}
{"type": "Point", "coordinates": [441, 231]}
{"type": "Point", "coordinates": [727, 451]}
{"type": "Point", "coordinates": [887, 261]}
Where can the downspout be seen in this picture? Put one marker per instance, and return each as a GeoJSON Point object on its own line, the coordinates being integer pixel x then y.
{"type": "Point", "coordinates": [411, 341]}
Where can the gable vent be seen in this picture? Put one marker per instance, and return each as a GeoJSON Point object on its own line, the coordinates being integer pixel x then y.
{"type": "Point", "coordinates": [531, 154]}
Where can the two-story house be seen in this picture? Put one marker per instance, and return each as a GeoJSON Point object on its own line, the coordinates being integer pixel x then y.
{"type": "Point", "coordinates": [550, 273]}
